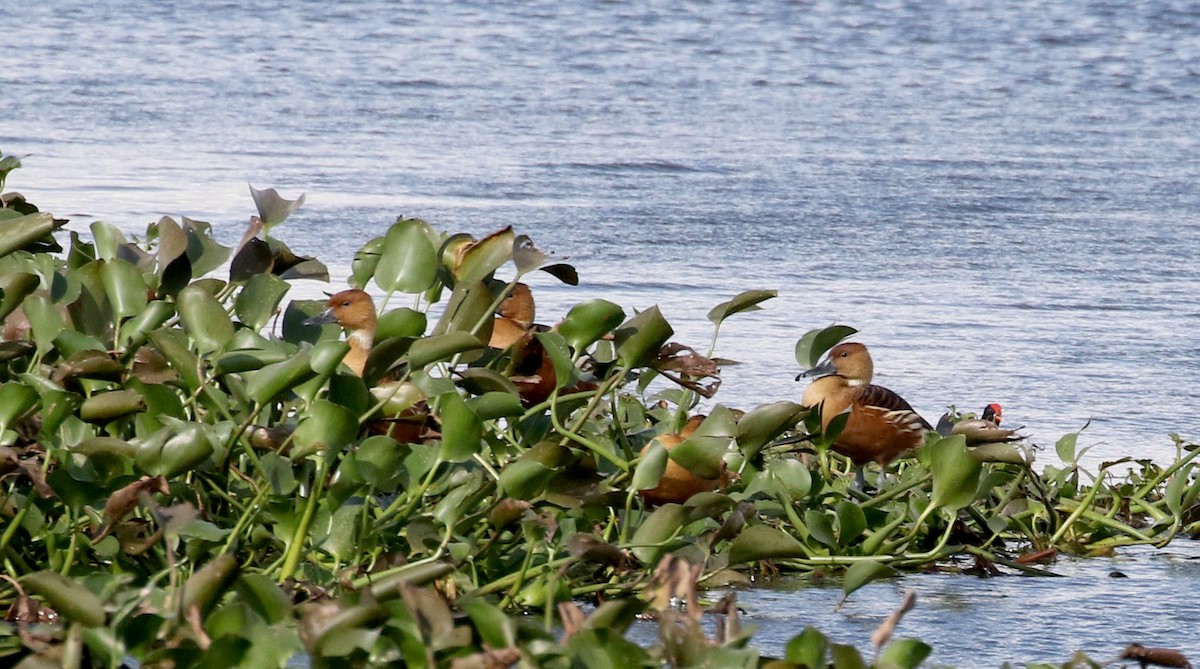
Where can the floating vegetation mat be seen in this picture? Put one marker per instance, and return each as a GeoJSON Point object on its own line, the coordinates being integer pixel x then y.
{"type": "Point", "coordinates": [197, 471]}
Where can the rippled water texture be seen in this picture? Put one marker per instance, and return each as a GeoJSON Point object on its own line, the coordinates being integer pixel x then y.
{"type": "Point", "coordinates": [1002, 196]}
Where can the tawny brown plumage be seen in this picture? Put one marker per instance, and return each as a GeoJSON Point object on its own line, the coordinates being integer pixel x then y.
{"type": "Point", "coordinates": [881, 424]}
{"type": "Point", "coordinates": [354, 310]}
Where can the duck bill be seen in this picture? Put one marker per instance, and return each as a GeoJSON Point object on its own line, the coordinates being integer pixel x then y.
{"type": "Point", "coordinates": [323, 318]}
{"type": "Point", "coordinates": [824, 369]}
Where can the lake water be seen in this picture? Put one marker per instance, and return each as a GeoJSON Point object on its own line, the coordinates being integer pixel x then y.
{"type": "Point", "coordinates": [1002, 196]}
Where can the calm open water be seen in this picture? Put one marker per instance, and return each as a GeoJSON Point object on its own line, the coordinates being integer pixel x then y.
{"type": "Point", "coordinates": [1002, 196]}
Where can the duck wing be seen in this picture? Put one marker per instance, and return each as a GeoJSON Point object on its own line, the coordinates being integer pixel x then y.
{"type": "Point", "coordinates": [892, 405]}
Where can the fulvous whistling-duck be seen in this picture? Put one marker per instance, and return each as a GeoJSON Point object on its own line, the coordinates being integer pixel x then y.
{"type": "Point", "coordinates": [514, 318]}
{"type": "Point", "coordinates": [983, 430]}
{"type": "Point", "coordinates": [881, 424]}
{"type": "Point", "coordinates": [354, 310]}
{"type": "Point", "coordinates": [677, 484]}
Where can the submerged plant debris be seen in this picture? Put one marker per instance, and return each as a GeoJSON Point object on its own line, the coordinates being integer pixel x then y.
{"type": "Point", "coordinates": [192, 477]}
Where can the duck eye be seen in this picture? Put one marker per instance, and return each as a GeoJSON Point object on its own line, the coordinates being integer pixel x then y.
{"type": "Point", "coordinates": [843, 354]}
{"type": "Point", "coordinates": [346, 303]}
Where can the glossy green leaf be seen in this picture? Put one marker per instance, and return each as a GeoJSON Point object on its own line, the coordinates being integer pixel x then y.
{"type": "Point", "coordinates": [325, 427]}
{"type": "Point", "coordinates": [863, 572]}
{"type": "Point", "coordinates": [106, 406]}
{"type": "Point", "coordinates": [790, 477]}
{"type": "Point", "coordinates": [477, 261]}
{"type": "Point", "coordinates": [651, 537]}
{"type": "Point", "coordinates": [134, 332]}
{"type": "Point", "coordinates": [437, 348]}
{"type": "Point", "coordinates": [904, 654]}
{"type": "Point", "coordinates": [264, 597]}
{"type": "Point", "coordinates": [759, 426]}
{"type": "Point", "coordinates": [851, 522]}
{"type": "Point", "coordinates": [45, 321]}
{"type": "Point", "coordinates": [207, 584]}
{"type": "Point", "coordinates": [173, 450]}
{"type": "Point", "coordinates": [15, 399]}
{"type": "Point", "coordinates": [761, 542]}
{"type": "Point", "coordinates": [651, 467]}
{"type": "Point", "coordinates": [409, 260]}
{"type": "Point", "coordinates": [204, 253]}
{"type": "Point", "coordinates": [14, 288]}
{"type": "Point", "coordinates": [820, 527]}
{"type": "Point", "coordinates": [271, 381]}
{"type": "Point", "coordinates": [17, 233]}
{"type": "Point", "coordinates": [555, 348]}
{"type": "Point", "coordinates": [366, 259]}
{"type": "Point", "coordinates": [259, 300]}
{"type": "Point", "coordinates": [70, 598]}
{"type": "Point", "coordinates": [641, 338]}
{"type": "Point", "coordinates": [701, 454]}
{"type": "Point", "coordinates": [1065, 447]}
{"type": "Point", "coordinates": [125, 288]}
{"type": "Point", "coordinates": [204, 319]}
{"type": "Point", "coordinates": [525, 479]}
{"type": "Point", "coordinates": [745, 301]}
{"type": "Point", "coordinates": [272, 207]}
{"type": "Point", "coordinates": [492, 405]}
{"type": "Point", "coordinates": [402, 322]}
{"type": "Point", "coordinates": [470, 304]}
{"type": "Point", "coordinates": [462, 431]}
{"type": "Point", "coordinates": [814, 344]}
{"type": "Point", "coordinates": [845, 656]}
{"type": "Point", "coordinates": [588, 321]}
{"type": "Point", "coordinates": [955, 472]}
{"type": "Point", "coordinates": [808, 649]}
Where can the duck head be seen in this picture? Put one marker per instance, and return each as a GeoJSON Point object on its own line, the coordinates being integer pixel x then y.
{"type": "Point", "coordinates": [993, 413]}
{"type": "Point", "coordinates": [851, 361]}
{"type": "Point", "coordinates": [354, 310]}
{"type": "Point", "coordinates": [518, 306]}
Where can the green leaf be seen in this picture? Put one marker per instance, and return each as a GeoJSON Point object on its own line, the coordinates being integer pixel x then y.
{"type": "Point", "coordinates": [651, 537]}
{"type": "Point", "coordinates": [402, 322]}
{"type": "Point", "coordinates": [259, 300]}
{"type": "Point", "coordinates": [641, 338]}
{"type": "Point", "coordinates": [1065, 447]}
{"type": "Point", "coordinates": [125, 287]}
{"type": "Point", "coordinates": [173, 450]}
{"type": "Point", "coordinates": [651, 467]}
{"type": "Point", "coordinates": [790, 477]}
{"type": "Point", "coordinates": [955, 472]}
{"type": "Point", "coordinates": [15, 400]}
{"type": "Point", "coordinates": [204, 319]}
{"type": "Point", "coordinates": [478, 260]}
{"type": "Point", "coordinates": [764, 423]}
{"type": "Point", "coordinates": [745, 301]}
{"type": "Point", "coordinates": [437, 348]}
{"type": "Point", "coordinates": [17, 233]}
{"type": "Point", "coordinates": [808, 649]}
{"type": "Point", "coordinates": [851, 522]}
{"type": "Point", "coordinates": [588, 321]}
{"type": "Point", "coordinates": [462, 431]}
{"type": "Point", "coordinates": [525, 479]}
{"type": "Point", "coordinates": [560, 356]}
{"type": "Point", "coordinates": [204, 253]}
{"type": "Point", "coordinates": [846, 657]}
{"type": "Point", "coordinates": [325, 427]}
{"type": "Point", "coordinates": [269, 382]}
{"type": "Point", "coordinates": [70, 598]}
{"type": "Point", "coordinates": [862, 573]}
{"type": "Point", "coordinates": [14, 288]}
{"type": "Point", "coordinates": [904, 654]}
{"type": "Point", "coordinates": [702, 452]}
{"type": "Point", "coordinates": [815, 343]}
{"type": "Point", "coordinates": [493, 405]}
{"type": "Point", "coordinates": [272, 207]}
{"type": "Point", "coordinates": [760, 542]}
{"type": "Point", "coordinates": [45, 322]}
{"type": "Point", "coordinates": [820, 527]}
{"type": "Point", "coordinates": [409, 260]}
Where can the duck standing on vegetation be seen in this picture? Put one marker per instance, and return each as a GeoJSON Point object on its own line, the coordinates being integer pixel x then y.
{"type": "Point", "coordinates": [354, 310]}
{"type": "Point", "coordinates": [881, 424]}
{"type": "Point", "coordinates": [530, 369]}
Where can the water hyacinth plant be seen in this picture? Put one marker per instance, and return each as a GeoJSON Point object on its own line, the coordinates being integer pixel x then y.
{"type": "Point", "coordinates": [191, 476]}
